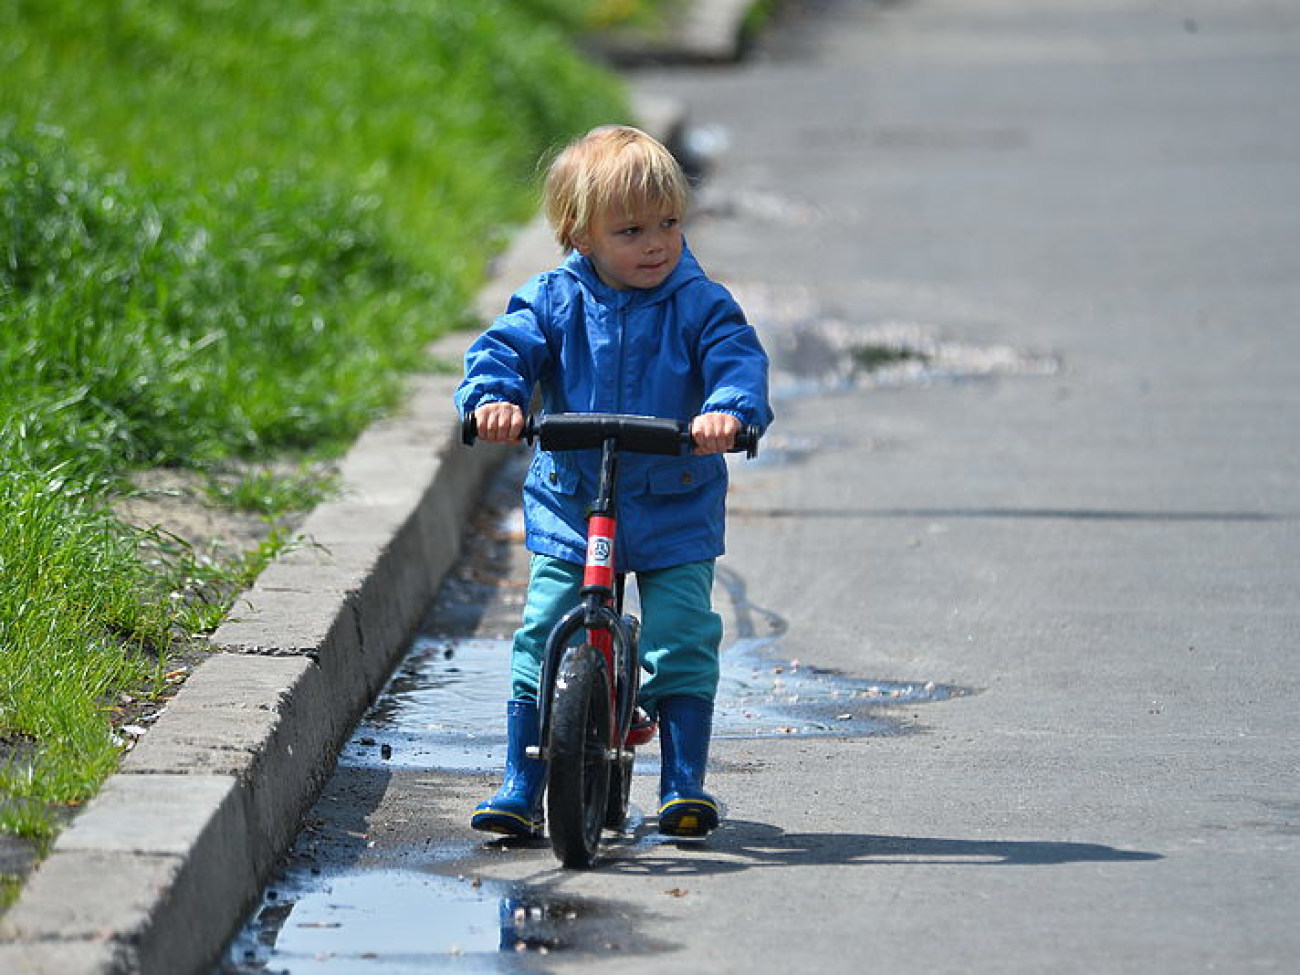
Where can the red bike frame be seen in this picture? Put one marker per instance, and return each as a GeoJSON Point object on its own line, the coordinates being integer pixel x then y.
{"type": "Point", "coordinates": [600, 612]}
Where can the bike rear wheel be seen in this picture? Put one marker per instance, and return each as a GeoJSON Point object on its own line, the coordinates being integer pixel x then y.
{"type": "Point", "coordinates": [576, 797]}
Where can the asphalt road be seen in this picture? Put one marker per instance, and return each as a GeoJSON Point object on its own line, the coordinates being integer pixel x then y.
{"type": "Point", "coordinates": [1074, 497]}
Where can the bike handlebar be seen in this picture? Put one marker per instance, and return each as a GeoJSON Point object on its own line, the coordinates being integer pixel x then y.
{"type": "Point", "coordinates": [638, 434]}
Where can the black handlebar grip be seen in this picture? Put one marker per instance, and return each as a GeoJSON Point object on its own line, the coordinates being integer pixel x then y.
{"type": "Point", "coordinates": [469, 429]}
{"type": "Point", "coordinates": [747, 440]}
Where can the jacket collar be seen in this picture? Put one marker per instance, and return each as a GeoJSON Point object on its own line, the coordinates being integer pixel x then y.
{"type": "Point", "coordinates": [688, 269]}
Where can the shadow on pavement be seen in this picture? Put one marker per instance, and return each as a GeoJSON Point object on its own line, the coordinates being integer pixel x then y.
{"type": "Point", "coordinates": [741, 845]}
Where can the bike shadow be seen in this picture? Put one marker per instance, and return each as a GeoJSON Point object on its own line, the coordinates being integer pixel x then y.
{"type": "Point", "coordinates": [745, 845]}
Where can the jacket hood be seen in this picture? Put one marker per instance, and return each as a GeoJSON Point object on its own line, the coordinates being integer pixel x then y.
{"type": "Point", "coordinates": [687, 270]}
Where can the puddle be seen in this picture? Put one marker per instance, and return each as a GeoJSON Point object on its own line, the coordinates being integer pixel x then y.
{"type": "Point", "coordinates": [815, 351]}
{"type": "Point", "coordinates": [826, 354]}
{"type": "Point", "coordinates": [329, 911]}
{"type": "Point", "coordinates": [760, 697]}
{"type": "Point", "coordinates": [444, 708]}
{"type": "Point", "coordinates": [338, 905]}
{"type": "Point", "coordinates": [406, 921]}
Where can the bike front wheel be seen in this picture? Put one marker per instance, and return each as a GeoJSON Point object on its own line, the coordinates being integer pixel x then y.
{"type": "Point", "coordinates": [576, 797]}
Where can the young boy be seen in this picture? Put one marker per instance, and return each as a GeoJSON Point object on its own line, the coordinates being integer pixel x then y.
{"type": "Point", "coordinates": [628, 323]}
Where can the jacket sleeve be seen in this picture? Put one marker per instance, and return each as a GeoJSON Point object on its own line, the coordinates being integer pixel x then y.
{"type": "Point", "coordinates": [733, 363]}
{"type": "Point", "coordinates": [505, 362]}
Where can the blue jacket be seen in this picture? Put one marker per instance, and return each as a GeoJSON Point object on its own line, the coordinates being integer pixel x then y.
{"type": "Point", "coordinates": [673, 351]}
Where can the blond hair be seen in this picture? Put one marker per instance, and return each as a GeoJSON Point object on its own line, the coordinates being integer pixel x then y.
{"type": "Point", "coordinates": [610, 166]}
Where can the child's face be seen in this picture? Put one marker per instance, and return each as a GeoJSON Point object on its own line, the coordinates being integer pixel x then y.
{"type": "Point", "coordinates": [633, 247]}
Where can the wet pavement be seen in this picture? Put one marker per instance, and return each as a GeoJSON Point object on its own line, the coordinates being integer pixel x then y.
{"type": "Point", "coordinates": [335, 905]}
{"type": "Point", "coordinates": [1030, 275]}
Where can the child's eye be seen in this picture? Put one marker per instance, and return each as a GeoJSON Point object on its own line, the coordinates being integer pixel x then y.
{"type": "Point", "coordinates": [669, 223]}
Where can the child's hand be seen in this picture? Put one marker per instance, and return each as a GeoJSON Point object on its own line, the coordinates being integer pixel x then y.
{"type": "Point", "coordinates": [714, 433]}
{"type": "Point", "coordinates": [499, 422]}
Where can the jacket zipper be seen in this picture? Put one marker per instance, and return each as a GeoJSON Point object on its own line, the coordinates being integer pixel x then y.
{"type": "Point", "coordinates": [620, 540]}
{"type": "Point", "coordinates": [622, 357]}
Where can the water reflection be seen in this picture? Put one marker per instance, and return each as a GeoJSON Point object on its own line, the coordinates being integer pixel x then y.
{"type": "Point", "coordinates": [443, 708]}
{"type": "Point", "coordinates": [401, 921]}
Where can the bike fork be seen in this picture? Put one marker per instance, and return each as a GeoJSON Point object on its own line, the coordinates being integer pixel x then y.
{"type": "Point", "coordinates": [600, 615]}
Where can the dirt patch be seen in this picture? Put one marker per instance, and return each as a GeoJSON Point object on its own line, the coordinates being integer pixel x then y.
{"type": "Point", "coordinates": [179, 504]}
{"type": "Point", "coordinates": [182, 519]}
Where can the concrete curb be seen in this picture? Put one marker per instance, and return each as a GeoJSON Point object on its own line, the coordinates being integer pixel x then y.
{"type": "Point", "coordinates": [158, 870]}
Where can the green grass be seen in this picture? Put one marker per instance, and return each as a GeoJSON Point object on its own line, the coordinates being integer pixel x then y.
{"type": "Point", "coordinates": [138, 335]}
{"type": "Point", "coordinates": [228, 229]}
{"type": "Point", "coordinates": [268, 491]}
{"type": "Point", "coordinates": [76, 608]}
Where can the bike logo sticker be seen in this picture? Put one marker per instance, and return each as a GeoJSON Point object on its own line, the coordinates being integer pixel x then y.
{"type": "Point", "coordinates": [600, 551]}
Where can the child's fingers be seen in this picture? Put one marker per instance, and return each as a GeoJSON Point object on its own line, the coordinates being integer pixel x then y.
{"type": "Point", "coordinates": [499, 422]}
{"type": "Point", "coordinates": [714, 433]}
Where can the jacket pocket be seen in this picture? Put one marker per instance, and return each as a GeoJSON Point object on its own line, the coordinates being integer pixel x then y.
{"type": "Point", "coordinates": [683, 476]}
{"type": "Point", "coordinates": [550, 471]}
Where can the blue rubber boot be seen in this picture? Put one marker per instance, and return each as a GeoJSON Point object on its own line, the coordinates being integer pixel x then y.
{"type": "Point", "coordinates": [685, 809]}
{"type": "Point", "coordinates": [516, 809]}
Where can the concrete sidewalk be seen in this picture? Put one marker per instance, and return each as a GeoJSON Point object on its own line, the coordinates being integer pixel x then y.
{"type": "Point", "coordinates": [1106, 554]}
{"type": "Point", "coordinates": [154, 875]}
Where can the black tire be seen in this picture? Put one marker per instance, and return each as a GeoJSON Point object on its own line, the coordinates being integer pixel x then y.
{"type": "Point", "coordinates": [620, 792]}
{"type": "Point", "coordinates": [577, 793]}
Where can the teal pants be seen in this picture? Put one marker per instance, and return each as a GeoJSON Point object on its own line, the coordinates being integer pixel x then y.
{"type": "Point", "coordinates": [680, 633]}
